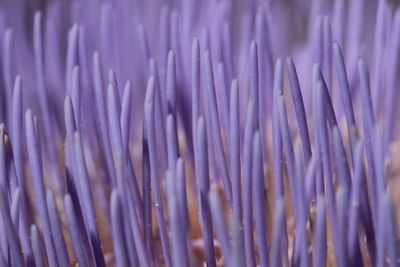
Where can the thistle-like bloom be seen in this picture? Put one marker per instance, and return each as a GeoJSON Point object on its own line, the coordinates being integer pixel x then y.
{"type": "Point", "coordinates": [175, 133]}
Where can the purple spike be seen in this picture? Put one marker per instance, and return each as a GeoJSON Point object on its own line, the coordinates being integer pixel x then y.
{"type": "Point", "coordinates": [299, 108]}
{"type": "Point", "coordinates": [381, 232]}
{"type": "Point", "coordinates": [75, 226]}
{"type": "Point", "coordinates": [76, 95]}
{"type": "Point", "coordinates": [319, 180]}
{"type": "Point", "coordinates": [330, 112]}
{"type": "Point", "coordinates": [117, 230]}
{"type": "Point", "coordinates": [141, 246]}
{"type": "Point", "coordinates": [393, 69]}
{"type": "Point", "coordinates": [253, 73]}
{"type": "Point", "coordinates": [256, 93]}
{"type": "Point", "coordinates": [37, 246]}
{"type": "Point", "coordinates": [79, 243]}
{"type": "Point", "coordinates": [259, 198]}
{"type": "Point", "coordinates": [383, 19]}
{"type": "Point", "coordinates": [8, 66]}
{"type": "Point", "coordinates": [317, 40]}
{"type": "Point", "coordinates": [234, 150]}
{"type": "Point", "coordinates": [392, 247]}
{"type": "Point", "coordinates": [368, 122]}
{"type": "Point", "coordinates": [146, 180]}
{"type": "Point", "coordinates": [203, 185]}
{"type": "Point", "coordinates": [354, 252]}
{"type": "Point", "coordinates": [160, 112]}
{"type": "Point", "coordinates": [115, 131]}
{"type": "Point", "coordinates": [247, 184]}
{"type": "Point", "coordinates": [15, 208]}
{"type": "Point", "coordinates": [10, 168]}
{"type": "Point", "coordinates": [171, 84]}
{"type": "Point", "coordinates": [175, 39]}
{"type": "Point", "coordinates": [277, 233]}
{"type": "Point", "coordinates": [70, 129]}
{"type": "Point", "coordinates": [378, 157]}
{"type": "Point", "coordinates": [214, 171]}
{"type": "Point", "coordinates": [223, 96]}
{"type": "Point", "coordinates": [220, 225]}
{"type": "Point", "coordinates": [155, 179]}
{"type": "Point", "coordinates": [87, 79]}
{"type": "Point", "coordinates": [86, 200]}
{"type": "Point", "coordinates": [289, 154]}
{"type": "Point", "coordinates": [182, 195]}
{"type": "Point", "coordinates": [366, 93]}
{"type": "Point", "coordinates": [195, 87]}
{"type": "Point", "coordinates": [101, 115]}
{"type": "Point", "coordinates": [2, 260]}
{"type": "Point", "coordinates": [37, 134]}
{"type": "Point", "coordinates": [9, 182]}
{"type": "Point", "coordinates": [319, 244]}
{"type": "Point", "coordinates": [266, 64]}
{"type": "Point", "coordinates": [237, 242]}
{"type": "Point", "coordinates": [368, 222]}
{"type": "Point", "coordinates": [172, 142]}
{"type": "Point", "coordinates": [345, 93]}
{"type": "Point", "coordinates": [326, 162]}
{"type": "Point", "coordinates": [287, 146]}
{"type": "Point", "coordinates": [16, 131]}
{"type": "Point", "coordinates": [310, 180]}
{"type": "Point", "coordinates": [42, 95]}
{"type": "Point", "coordinates": [178, 237]}
{"type": "Point", "coordinates": [277, 147]}
{"type": "Point", "coordinates": [343, 172]}
{"type": "Point", "coordinates": [112, 79]}
{"type": "Point", "coordinates": [4, 179]}
{"type": "Point", "coordinates": [39, 187]}
{"type": "Point", "coordinates": [301, 233]}
{"type": "Point", "coordinates": [342, 209]}
{"type": "Point", "coordinates": [277, 138]}
{"type": "Point", "coordinates": [72, 53]}
{"type": "Point", "coordinates": [131, 191]}
{"type": "Point", "coordinates": [125, 119]}
{"type": "Point", "coordinates": [128, 233]}
{"type": "Point", "coordinates": [216, 130]}
{"type": "Point", "coordinates": [12, 237]}
{"type": "Point", "coordinates": [58, 237]}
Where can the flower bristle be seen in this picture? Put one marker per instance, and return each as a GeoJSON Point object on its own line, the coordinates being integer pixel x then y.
{"type": "Point", "coordinates": [190, 133]}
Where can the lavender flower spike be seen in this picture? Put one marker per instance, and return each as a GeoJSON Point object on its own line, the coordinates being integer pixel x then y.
{"type": "Point", "coordinates": [16, 254]}
{"type": "Point", "coordinates": [259, 200]}
{"type": "Point", "coordinates": [37, 173]}
{"type": "Point", "coordinates": [215, 124]}
{"type": "Point", "coordinates": [320, 238]}
{"type": "Point", "coordinates": [58, 237]}
{"type": "Point", "coordinates": [203, 184]}
{"type": "Point", "coordinates": [116, 221]}
{"type": "Point", "coordinates": [247, 184]}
